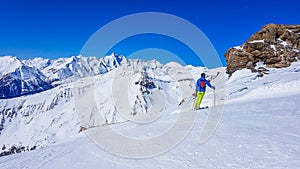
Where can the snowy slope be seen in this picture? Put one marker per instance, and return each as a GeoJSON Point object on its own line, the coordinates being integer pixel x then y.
{"type": "Point", "coordinates": [259, 126]}
{"type": "Point", "coordinates": [249, 136]}
{"type": "Point", "coordinates": [44, 118]}
{"type": "Point", "coordinates": [17, 78]}
{"type": "Point", "coordinates": [9, 64]}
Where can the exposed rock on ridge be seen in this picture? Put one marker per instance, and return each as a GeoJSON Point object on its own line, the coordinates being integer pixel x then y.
{"type": "Point", "coordinates": [277, 46]}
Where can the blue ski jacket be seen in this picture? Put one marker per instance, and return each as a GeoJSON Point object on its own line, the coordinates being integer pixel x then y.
{"type": "Point", "coordinates": [198, 88]}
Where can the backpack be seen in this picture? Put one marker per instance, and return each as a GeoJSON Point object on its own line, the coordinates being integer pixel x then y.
{"type": "Point", "coordinates": [202, 84]}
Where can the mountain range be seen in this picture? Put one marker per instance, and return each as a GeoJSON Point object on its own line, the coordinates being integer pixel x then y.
{"type": "Point", "coordinates": [23, 77]}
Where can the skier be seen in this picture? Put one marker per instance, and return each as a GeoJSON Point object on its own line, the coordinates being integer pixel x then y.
{"type": "Point", "coordinates": [200, 90]}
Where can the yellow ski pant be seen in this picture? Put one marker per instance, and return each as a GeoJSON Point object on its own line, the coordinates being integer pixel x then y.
{"type": "Point", "coordinates": [199, 99]}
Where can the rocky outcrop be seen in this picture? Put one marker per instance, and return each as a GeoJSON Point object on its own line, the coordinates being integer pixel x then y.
{"type": "Point", "coordinates": [277, 46]}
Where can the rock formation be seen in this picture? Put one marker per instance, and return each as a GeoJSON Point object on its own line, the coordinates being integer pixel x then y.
{"type": "Point", "coordinates": [277, 46]}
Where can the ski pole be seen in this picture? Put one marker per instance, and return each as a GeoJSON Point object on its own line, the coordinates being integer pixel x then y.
{"type": "Point", "coordinates": [215, 97]}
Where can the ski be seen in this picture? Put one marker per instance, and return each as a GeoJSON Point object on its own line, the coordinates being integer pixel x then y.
{"type": "Point", "coordinates": [201, 108]}
{"type": "Point", "coordinates": [206, 107]}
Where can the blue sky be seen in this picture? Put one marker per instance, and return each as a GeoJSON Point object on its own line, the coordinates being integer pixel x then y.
{"type": "Point", "coordinates": [53, 29]}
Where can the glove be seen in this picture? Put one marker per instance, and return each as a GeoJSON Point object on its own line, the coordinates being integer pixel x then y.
{"type": "Point", "coordinates": [214, 87]}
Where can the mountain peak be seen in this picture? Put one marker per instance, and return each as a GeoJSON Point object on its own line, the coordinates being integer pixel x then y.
{"type": "Point", "coordinates": [9, 64]}
{"type": "Point", "coordinates": [114, 56]}
{"type": "Point", "coordinates": [19, 79]}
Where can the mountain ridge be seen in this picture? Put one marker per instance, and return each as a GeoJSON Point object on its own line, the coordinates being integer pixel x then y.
{"type": "Point", "coordinates": [39, 74]}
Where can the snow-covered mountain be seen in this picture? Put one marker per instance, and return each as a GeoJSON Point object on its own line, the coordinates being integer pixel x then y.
{"type": "Point", "coordinates": [248, 135]}
{"type": "Point", "coordinates": [17, 78]}
{"type": "Point", "coordinates": [65, 70]}
{"type": "Point", "coordinates": [51, 116]}
{"type": "Point", "coordinates": [35, 75]}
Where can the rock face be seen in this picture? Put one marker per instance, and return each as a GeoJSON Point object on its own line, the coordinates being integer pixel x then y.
{"type": "Point", "coordinates": [277, 46]}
